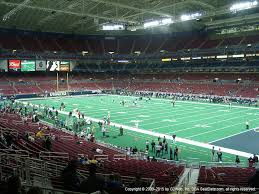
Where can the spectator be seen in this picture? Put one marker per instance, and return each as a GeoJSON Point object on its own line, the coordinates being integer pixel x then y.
{"type": "Point", "coordinates": [9, 139]}
{"type": "Point", "coordinates": [153, 159]}
{"type": "Point", "coordinates": [158, 150]}
{"type": "Point", "coordinates": [237, 160]}
{"type": "Point", "coordinates": [147, 145]}
{"type": "Point", "coordinates": [212, 153]}
{"type": "Point", "coordinates": [138, 182]}
{"type": "Point", "coordinates": [31, 138]}
{"type": "Point", "coordinates": [2, 139]}
{"type": "Point", "coordinates": [153, 145]}
{"type": "Point", "coordinates": [164, 140]}
{"type": "Point", "coordinates": [250, 162]}
{"type": "Point", "coordinates": [121, 131]}
{"type": "Point", "coordinates": [255, 159]}
{"type": "Point", "coordinates": [92, 161]}
{"type": "Point", "coordinates": [99, 151]}
{"type": "Point", "coordinates": [40, 134]}
{"type": "Point", "coordinates": [35, 190]}
{"type": "Point", "coordinates": [70, 178]}
{"type": "Point", "coordinates": [219, 153]}
{"type": "Point", "coordinates": [176, 153]}
{"type": "Point", "coordinates": [166, 147]}
{"type": "Point", "coordinates": [254, 180]}
{"type": "Point", "coordinates": [82, 159]}
{"type": "Point", "coordinates": [48, 143]}
{"type": "Point", "coordinates": [171, 153]}
{"type": "Point", "coordinates": [114, 184]}
{"type": "Point", "coordinates": [135, 150]}
{"type": "Point", "coordinates": [15, 186]}
{"type": "Point", "coordinates": [174, 136]}
{"type": "Point", "coordinates": [93, 183]}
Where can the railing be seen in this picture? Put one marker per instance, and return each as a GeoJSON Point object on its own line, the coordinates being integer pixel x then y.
{"type": "Point", "coordinates": [54, 155]}
{"type": "Point", "coordinates": [119, 157]}
{"type": "Point", "coordinates": [180, 188]}
{"type": "Point", "coordinates": [11, 152]}
{"type": "Point", "coordinates": [101, 157]}
{"type": "Point", "coordinates": [67, 138]}
{"type": "Point", "coordinates": [35, 171]}
{"type": "Point", "coordinates": [222, 164]}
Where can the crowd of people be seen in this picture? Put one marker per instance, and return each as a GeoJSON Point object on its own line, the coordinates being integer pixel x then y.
{"type": "Point", "coordinates": [96, 182]}
{"type": "Point", "coordinates": [193, 97]}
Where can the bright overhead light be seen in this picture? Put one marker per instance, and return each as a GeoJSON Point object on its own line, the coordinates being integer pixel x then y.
{"type": "Point", "coordinates": [113, 27]}
{"type": "Point", "coordinates": [151, 24]}
{"type": "Point", "coordinates": [243, 5]}
{"type": "Point", "coordinates": [193, 16]}
{"type": "Point", "coordinates": [161, 22]}
{"type": "Point", "coordinates": [166, 21]}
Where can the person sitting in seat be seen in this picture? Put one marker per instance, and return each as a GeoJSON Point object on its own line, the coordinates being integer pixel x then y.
{"type": "Point", "coordinates": [70, 178]}
{"type": "Point", "coordinates": [94, 182]}
{"type": "Point", "coordinates": [254, 180]}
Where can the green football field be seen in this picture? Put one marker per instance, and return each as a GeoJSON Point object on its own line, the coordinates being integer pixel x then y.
{"type": "Point", "coordinates": [201, 122]}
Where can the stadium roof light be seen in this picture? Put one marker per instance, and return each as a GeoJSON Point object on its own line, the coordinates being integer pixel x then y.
{"type": "Point", "coordinates": [243, 5]}
{"type": "Point", "coordinates": [113, 27]}
{"type": "Point", "coordinates": [186, 17]}
{"type": "Point", "coordinates": [151, 24]}
{"type": "Point", "coordinates": [166, 21]}
{"type": "Point", "coordinates": [155, 23]}
{"type": "Point", "coordinates": [84, 53]}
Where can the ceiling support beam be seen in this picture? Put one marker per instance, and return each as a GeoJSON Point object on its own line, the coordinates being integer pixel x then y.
{"type": "Point", "coordinates": [15, 10]}
{"type": "Point", "coordinates": [132, 8]}
{"type": "Point", "coordinates": [182, 3]}
{"type": "Point", "coordinates": [68, 12]}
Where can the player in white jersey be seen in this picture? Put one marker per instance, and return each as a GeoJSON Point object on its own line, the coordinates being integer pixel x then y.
{"type": "Point", "coordinates": [229, 104]}
{"type": "Point", "coordinates": [108, 118]}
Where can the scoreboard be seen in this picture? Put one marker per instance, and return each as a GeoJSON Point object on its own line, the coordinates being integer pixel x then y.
{"type": "Point", "coordinates": [17, 65]}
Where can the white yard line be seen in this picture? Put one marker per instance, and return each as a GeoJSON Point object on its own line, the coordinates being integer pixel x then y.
{"type": "Point", "coordinates": [193, 120]}
{"type": "Point", "coordinates": [164, 117]}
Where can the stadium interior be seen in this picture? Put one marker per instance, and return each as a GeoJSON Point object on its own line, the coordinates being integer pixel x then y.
{"type": "Point", "coordinates": [120, 96]}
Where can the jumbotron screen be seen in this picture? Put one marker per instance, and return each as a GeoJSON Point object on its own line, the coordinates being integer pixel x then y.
{"type": "Point", "coordinates": [14, 65]}
{"type": "Point", "coordinates": [27, 65]}
{"type": "Point", "coordinates": [3, 66]}
{"type": "Point", "coordinates": [41, 65]}
{"type": "Point", "coordinates": [64, 66]}
{"type": "Point", "coordinates": [53, 65]}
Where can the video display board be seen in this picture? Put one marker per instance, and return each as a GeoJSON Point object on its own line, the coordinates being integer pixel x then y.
{"type": "Point", "coordinates": [14, 65]}
{"type": "Point", "coordinates": [41, 65]}
{"type": "Point", "coordinates": [64, 66]}
{"type": "Point", "coordinates": [3, 66]}
{"type": "Point", "coordinates": [27, 65]}
{"type": "Point", "coordinates": [53, 65]}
